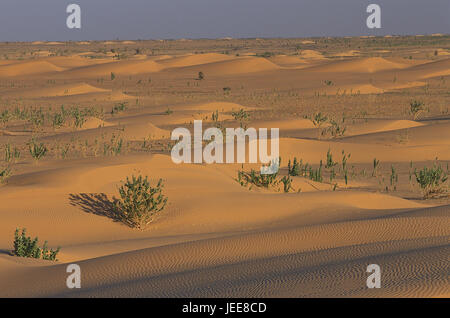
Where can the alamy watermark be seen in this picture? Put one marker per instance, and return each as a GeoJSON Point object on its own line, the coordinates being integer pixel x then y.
{"type": "Point", "coordinates": [228, 148]}
{"type": "Point", "coordinates": [73, 21]}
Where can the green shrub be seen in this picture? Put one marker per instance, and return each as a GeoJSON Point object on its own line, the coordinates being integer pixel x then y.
{"type": "Point", "coordinates": [431, 180]}
{"type": "Point", "coordinates": [316, 174]}
{"type": "Point", "coordinates": [24, 246]}
{"type": "Point", "coordinates": [330, 162]}
{"type": "Point", "coordinates": [5, 173]}
{"type": "Point", "coordinates": [139, 202]}
{"type": "Point", "coordinates": [416, 108]}
{"type": "Point", "coordinates": [37, 151]}
{"type": "Point", "coordinates": [287, 184]}
{"type": "Point", "coordinates": [257, 179]}
{"type": "Point", "coordinates": [118, 108]}
{"type": "Point", "coordinates": [294, 169]}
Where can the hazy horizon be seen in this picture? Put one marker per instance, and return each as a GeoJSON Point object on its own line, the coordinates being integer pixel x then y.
{"type": "Point", "coordinates": [28, 20]}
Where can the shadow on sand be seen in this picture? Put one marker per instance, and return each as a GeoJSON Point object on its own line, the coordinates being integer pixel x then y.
{"type": "Point", "coordinates": [95, 203]}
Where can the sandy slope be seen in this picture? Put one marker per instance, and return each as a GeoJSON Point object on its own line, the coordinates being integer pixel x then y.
{"type": "Point", "coordinates": [259, 244]}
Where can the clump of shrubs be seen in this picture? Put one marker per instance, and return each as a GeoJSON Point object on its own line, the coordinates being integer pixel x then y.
{"type": "Point", "coordinates": [431, 180]}
{"type": "Point", "coordinates": [139, 202]}
{"type": "Point", "coordinates": [24, 246]}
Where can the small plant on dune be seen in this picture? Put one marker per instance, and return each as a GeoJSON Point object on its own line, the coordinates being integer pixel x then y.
{"type": "Point", "coordinates": [139, 201]}
{"type": "Point", "coordinates": [5, 117]}
{"type": "Point", "coordinates": [79, 117]}
{"type": "Point", "coordinates": [227, 90]}
{"type": "Point", "coordinates": [11, 154]}
{"type": "Point", "coordinates": [242, 116]}
{"type": "Point", "coordinates": [432, 180]}
{"type": "Point", "coordinates": [318, 120]}
{"type": "Point", "coordinates": [394, 178]}
{"type": "Point", "coordinates": [58, 120]}
{"type": "Point", "coordinates": [201, 76]}
{"type": "Point", "coordinates": [37, 150]}
{"type": "Point", "coordinates": [24, 246]}
{"type": "Point", "coordinates": [257, 179]}
{"type": "Point", "coordinates": [287, 184]}
{"type": "Point", "coordinates": [316, 174]}
{"type": "Point", "coordinates": [215, 116]}
{"type": "Point", "coordinates": [113, 76]}
{"type": "Point", "coordinates": [295, 167]}
{"type": "Point", "coordinates": [345, 158]}
{"type": "Point", "coordinates": [168, 112]}
{"type": "Point", "coordinates": [337, 128]}
{"type": "Point", "coordinates": [416, 108]}
{"type": "Point", "coordinates": [119, 107]}
{"type": "Point", "coordinates": [114, 146]}
{"type": "Point", "coordinates": [376, 164]}
{"type": "Point", "coordinates": [5, 173]}
{"type": "Point", "coordinates": [330, 162]}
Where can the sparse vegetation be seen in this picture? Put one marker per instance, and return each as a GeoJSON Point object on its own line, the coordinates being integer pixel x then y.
{"type": "Point", "coordinates": [119, 107]}
{"type": "Point", "coordinates": [416, 108]}
{"type": "Point", "coordinates": [139, 202]}
{"type": "Point", "coordinates": [5, 173]}
{"type": "Point", "coordinates": [37, 150]}
{"type": "Point", "coordinates": [432, 180]}
{"type": "Point", "coordinates": [24, 246]}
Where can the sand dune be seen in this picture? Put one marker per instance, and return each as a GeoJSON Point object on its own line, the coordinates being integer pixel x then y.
{"type": "Point", "coordinates": [243, 65]}
{"type": "Point", "coordinates": [288, 61]}
{"type": "Point", "coordinates": [126, 67]}
{"type": "Point", "coordinates": [256, 254]}
{"type": "Point", "coordinates": [431, 69]}
{"type": "Point", "coordinates": [365, 65]}
{"type": "Point", "coordinates": [311, 55]}
{"type": "Point", "coordinates": [196, 59]}
{"type": "Point", "coordinates": [413, 136]}
{"type": "Point", "coordinates": [28, 68]}
{"type": "Point", "coordinates": [58, 90]}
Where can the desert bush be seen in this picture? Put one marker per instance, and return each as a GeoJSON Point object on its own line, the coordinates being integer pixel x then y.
{"type": "Point", "coordinates": [337, 128]}
{"type": "Point", "coordinates": [5, 116]}
{"type": "Point", "coordinates": [114, 146]}
{"type": "Point", "coordinates": [394, 178]}
{"type": "Point", "coordinates": [58, 120]}
{"type": "Point", "coordinates": [5, 173]}
{"type": "Point", "coordinates": [431, 180]}
{"type": "Point", "coordinates": [316, 174]}
{"type": "Point", "coordinates": [257, 179]}
{"type": "Point", "coordinates": [24, 246]}
{"type": "Point", "coordinates": [240, 115]}
{"type": "Point", "coordinates": [79, 117]}
{"type": "Point", "coordinates": [376, 164]}
{"type": "Point", "coordinates": [37, 151]}
{"type": "Point", "coordinates": [201, 76]}
{"type": "Point", "coordinates": [119, 107]}
{"type": "Point", "coordinates": [416, 108]}
{"type": "Point", "coordinates": [287, 184]}
{"type": "Point", "coordinates": [227, 90]}
{"type": "Point", "coordinates": [318, 120]}
{"type": "Point", "coordinates": [139, 201]}
{"type": "Point", "coordinates": [11, 153]}
{"type": "Point", "coordinates": [295, 167]}
{"type": "Point", "coordinates": [330, 162]}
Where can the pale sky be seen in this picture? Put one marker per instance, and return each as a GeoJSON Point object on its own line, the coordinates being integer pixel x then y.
{"type": "Point", "coordinates": [45, 20]}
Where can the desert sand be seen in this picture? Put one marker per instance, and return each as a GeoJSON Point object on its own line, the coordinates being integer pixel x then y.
{"type": "Point", "coordinates": [217, 238]}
